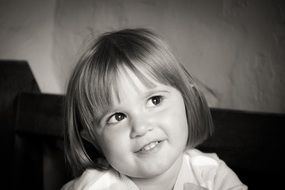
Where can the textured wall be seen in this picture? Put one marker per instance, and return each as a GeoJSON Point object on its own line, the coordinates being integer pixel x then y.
{"type": "Point", "coordinates": [235, 48]}
{"type": "Point", "coordinates": [26, 33]}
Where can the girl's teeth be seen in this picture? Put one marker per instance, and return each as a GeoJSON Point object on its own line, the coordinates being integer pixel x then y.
{"type": "Point", "coordinates": [150, 146]}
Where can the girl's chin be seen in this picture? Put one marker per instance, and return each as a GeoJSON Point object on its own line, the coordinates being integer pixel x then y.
{"type": "Point", "coordinates": [159, 168]}
{"type": "Point", "coordinates": [150, 170]}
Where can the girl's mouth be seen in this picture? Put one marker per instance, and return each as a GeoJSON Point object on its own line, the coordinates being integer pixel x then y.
{"type": "Point", "coordinates": [148, 147]}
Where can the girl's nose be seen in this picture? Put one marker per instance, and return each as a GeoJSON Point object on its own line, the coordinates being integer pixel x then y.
{"type": "Point", "coordinates": [139, 127]}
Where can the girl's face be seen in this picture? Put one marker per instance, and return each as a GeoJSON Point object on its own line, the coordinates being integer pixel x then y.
{"type": "Point", "coordinates": [144, 134]}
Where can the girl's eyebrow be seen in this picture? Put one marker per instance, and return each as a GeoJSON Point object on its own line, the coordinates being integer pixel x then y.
{"type": "Point", "coordinates": [155, 91]}
{"type": "Point", "coordinates": [105, 112]}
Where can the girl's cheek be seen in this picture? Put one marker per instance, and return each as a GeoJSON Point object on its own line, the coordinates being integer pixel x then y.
{"type": "Point", "coordinates": [115, 132]}
{"type": "Point", "coordinates": [164, 113]}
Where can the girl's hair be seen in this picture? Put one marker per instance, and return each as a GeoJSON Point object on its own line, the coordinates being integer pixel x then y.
{"type": "Point", "coordinates": [94, 78]}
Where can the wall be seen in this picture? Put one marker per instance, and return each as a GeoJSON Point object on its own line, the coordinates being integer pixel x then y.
{"type": "Point", "coordinates": [26, 33]}
{"type": "Point", "coordinates": [235, 48]}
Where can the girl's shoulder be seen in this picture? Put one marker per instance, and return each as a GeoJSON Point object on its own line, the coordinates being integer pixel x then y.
{"type": "Point", "coordinates": [93, 179]}
{"type": "Point", "coordinates": [201, 158]}
{"type": "Point", "coordinates": [87, 179]}
{"type": "Point", "coordinates": [211, 171]}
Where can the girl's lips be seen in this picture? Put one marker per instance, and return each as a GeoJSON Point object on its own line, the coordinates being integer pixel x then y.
{"type": "Point", "coordinates": [149, 147]}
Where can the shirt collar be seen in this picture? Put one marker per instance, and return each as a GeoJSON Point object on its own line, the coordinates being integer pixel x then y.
{"type": "Point", "coordinates": [186, 178]}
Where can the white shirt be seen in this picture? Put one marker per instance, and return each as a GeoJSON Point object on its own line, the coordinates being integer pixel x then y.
{"type": "Point", "coordinates": [199, 171]}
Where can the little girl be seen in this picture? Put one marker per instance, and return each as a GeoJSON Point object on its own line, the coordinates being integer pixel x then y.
{"type": "Point", "coordinates": [134, 117]}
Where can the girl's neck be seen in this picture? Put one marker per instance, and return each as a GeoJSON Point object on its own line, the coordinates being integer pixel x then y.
{"type": "Point", "coordinates": [165, 181]}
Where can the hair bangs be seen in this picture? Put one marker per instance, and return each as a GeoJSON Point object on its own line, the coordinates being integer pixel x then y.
{"type": "Point", "coordinates": [150, 61]}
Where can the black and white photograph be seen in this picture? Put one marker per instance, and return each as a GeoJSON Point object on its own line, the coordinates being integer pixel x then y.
{"type": "Point", "coordinates": [142, 94]}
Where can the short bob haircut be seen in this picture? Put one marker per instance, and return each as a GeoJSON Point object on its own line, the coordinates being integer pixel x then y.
{"type": "Point", "coordinates": [89, 92]}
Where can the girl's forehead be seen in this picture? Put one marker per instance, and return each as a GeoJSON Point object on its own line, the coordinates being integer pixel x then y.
{"type": "Point", "coordinates": [138, 80]}
{"type": "Point", "coordinates": [132, 81]}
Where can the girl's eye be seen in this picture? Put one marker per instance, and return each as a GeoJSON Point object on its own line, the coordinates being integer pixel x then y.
{"type": "Point", "coordinates": [154, 101]}
{"type": "Point", "coordinates": [116, 117]}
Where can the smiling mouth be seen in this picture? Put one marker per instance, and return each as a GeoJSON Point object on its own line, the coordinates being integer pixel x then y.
{"type": "Point", "coordinates": [150, 146]}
